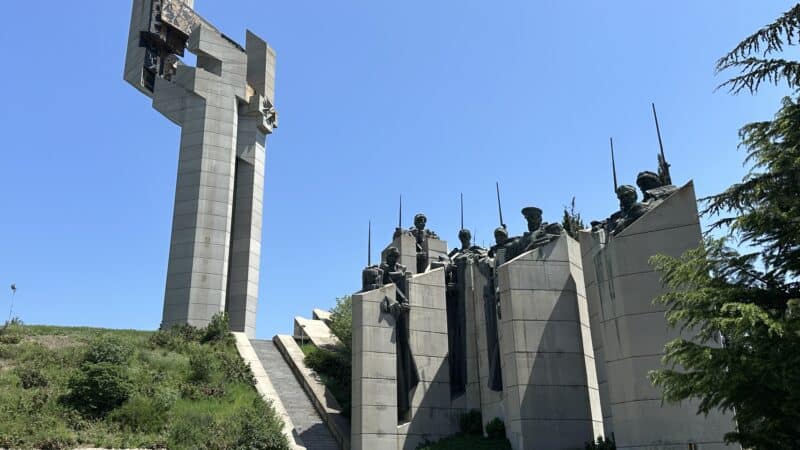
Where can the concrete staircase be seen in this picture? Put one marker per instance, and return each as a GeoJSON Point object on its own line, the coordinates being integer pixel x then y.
{"type": "Point", "coordinates": [309, 427]}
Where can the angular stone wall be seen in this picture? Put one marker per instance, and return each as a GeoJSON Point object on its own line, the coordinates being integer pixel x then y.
{"type": "Point", "coordinates": [491, 402]}
{"type": "Point", "coordinates": [374, 414]}
{"type": "Point", "coordinates": [549, 380]}
{"type": "Point", "coordinates": [622, 286]}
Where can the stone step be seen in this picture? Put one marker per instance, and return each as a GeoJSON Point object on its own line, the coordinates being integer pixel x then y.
{"type": "Point", "coordinates": [309, 427]}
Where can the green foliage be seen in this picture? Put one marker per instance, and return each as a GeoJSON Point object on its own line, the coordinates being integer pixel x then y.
{"type": "Point", "coordinates": [218, 330]}
{"type": "Point", "coordinates": [572, 221]}
{"type": "Point", "coordinates": [342, 320]}
{"type": "Point", "coordinates": [744, 308]}
{"type": "Point", "coordinates": [98, 388]}
{"type": "Point", "coordinates": [496, 429]}
{"type": "Point", "coordinates": [769, 40]}
{"type": "Point", "coordinates": [82, 403]}
{"type": "Point", "coordinates": [109, 349]}
{"type": "Point", "coordinates": [471, 423]}
{"type": "Point", "coordinates": [141, 414]}
{"type": "Point", "coordinates": [462, 442]}
{"type": "Point", "coordinates": [260, 429]}
{"type": "Point", "coordinates": [334, 367]}
{"type": "Point", "coordinates": [201, 366]}
{"type": "Point", "coordinates": [601, 444]}
{"type": "Point", "coordinates": [30, 377]}
{"type": "Point", "coordinates": [765, 205]}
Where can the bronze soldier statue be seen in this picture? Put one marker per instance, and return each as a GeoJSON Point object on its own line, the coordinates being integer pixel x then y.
{"type": "Point", "coordinates": [407, 374]}
{"type": "Point", "coordinates": [652, 187]}
{"type": "Point", "coordinates": [629, 210]}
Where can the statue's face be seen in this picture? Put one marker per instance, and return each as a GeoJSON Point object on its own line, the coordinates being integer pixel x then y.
{"type": "Point", "coordinates": [534, 222]}
{"type": "Point", "coordinates": [465, 238]}
{"type": "Point", "coordinates": [647, 183]}
{"type": "Point", "coordinates": [500, 236]}
{"type": "Point", "coordinates": [420, 222]}
{"type": "Point", "coordinates": [391, 258]}
{"type": "Point", "coordinates": [627, 200]}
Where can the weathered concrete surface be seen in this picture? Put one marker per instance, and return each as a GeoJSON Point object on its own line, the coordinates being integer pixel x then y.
{"type": "Point", "coordinates": [374, 416]}
{"type": "Point", "coordinates": [266, 388]}
{"type": "Point", "coordinates": [307, 425]}
{"type": "Point", "coordinates": [316, 331]}
{"type": "Point", "coordinates": [622, 286]}
{"type": "Point", "coordinates": [549, 378]}
{"type": "Point", "coordinates": [220, 105]}
{"type": "Point", "coordinates": [324, 402]}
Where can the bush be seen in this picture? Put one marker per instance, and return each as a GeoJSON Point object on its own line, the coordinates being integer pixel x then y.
{"type": "Point", "coordinates": [10, 339]}
{"type": "Point", "coordinates": [176, 338]}
{"type": "Point", "coordinates": [334, 367]}
{"type": "Point", "coordinates": [140, 414]}
{"type": "Point", "coordinates": [98, 388]}
{"type": "Point", "coordinates": [109, 349]}
{"type": "Point", "coordinates": [30, 377]}
{"type": "Point", "coordinates": [195, 430]}
{"type": "Point", "coordinates": [342, 320]}
{"type": "Point", "coordinates": [235, 370]}
{"type": "Point", "coordinates": [218, 330]}
{"type": "Point", "coordinates": [201, 366]}
{"type": "Point", "coordinates": [601, 444]}
{"type": "Point", "coordinates": [471, 423]}
{"type": "Point", "coordinates": [496, 429]}
{"type": "Point", "coordinates": [260, 428]}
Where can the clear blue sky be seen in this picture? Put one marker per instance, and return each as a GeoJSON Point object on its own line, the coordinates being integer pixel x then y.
{"type": "Point", "coordinates": [428, 99]}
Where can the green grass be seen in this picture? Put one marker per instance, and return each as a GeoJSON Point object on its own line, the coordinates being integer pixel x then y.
{"type": "Point", "coordinates": [186, 388]}
{"type": "Point", "coordinates": [463, 442]}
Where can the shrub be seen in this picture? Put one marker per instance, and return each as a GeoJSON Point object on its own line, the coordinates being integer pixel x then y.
{"type": "Point", "coordinates": [140, 414]}
{"type": "Point", "coordinates": [196, 430]}
{"type": "Point", "coordinates": [218, 330]}
{"type": "Point", "coordinates": [98, 388]}
{"type": "Point", "coordinates": [176, 338]}
{"type": "Point", "coordinates": [30, 377]}
{"type": "Point", "coordinates": [109, 349]}
{"type": "Point", "coordinates": [334, 367]}
{"type": "Point", "coordinates": [342, 320]}
{"type": "Point", "coordinates": [260, 428]}
{"type": "Point", "coordinates": [201, 366]}
{"type": "Point", "coordinates": [496, 429]}
{"type": "Point", "coordinates": [235, 370]}
{"type": "Point", "coordinates": [601, 444]}
{"type": "Point", "coordinates": [471, 423]}
{"type": "Point", "coordinates": [10, 339]}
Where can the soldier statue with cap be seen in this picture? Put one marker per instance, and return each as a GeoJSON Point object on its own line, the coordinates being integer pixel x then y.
{"type": "Point", "coordinates": [652, 187]}
{"type": "Point", "coordinates": [539, 233]}
{"type": "Point", "coordinates": [629, 210]}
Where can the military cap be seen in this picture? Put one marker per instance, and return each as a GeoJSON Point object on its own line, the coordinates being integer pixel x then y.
{"type": "Point", "coordinates": [531, 211]}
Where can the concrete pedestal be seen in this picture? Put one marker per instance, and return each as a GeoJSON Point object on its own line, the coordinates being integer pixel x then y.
{"type": "Point", "coordinates": [374, 413]}
{"type": "Point", "coordinates": [622, 286]}
{"type": "Point", "coordinates": [549, 380]}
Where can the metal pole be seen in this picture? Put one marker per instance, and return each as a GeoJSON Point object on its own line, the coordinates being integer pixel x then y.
{"type": "Point", "coordinates": [462, 210]}
{"type": "Point", "coordinates": [613, 164]}
{"type": "Point", "coordinates": [499, 206]}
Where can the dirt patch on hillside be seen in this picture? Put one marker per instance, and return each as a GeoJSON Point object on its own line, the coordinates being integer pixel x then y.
{"type": "Point", "coordinates": [54, 342]}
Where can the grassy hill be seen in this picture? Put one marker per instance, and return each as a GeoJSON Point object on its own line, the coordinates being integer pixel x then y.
{"type": "Point", "coordinates": [182, 389]}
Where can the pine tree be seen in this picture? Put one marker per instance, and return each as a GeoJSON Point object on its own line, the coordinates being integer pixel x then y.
{"type": "Point", "coordinates": [572, 221]}
{"type": "Point", "coordinates": [748, 302]}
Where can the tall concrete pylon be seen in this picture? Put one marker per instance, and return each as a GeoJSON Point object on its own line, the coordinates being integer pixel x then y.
{"type": "Point", "coordinates": [224, 107]}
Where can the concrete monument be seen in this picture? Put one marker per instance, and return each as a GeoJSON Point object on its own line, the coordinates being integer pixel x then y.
{"type": "Point", "coordinates": [224, 107]}
{"type": "Point", "coordinates": [629, 331]}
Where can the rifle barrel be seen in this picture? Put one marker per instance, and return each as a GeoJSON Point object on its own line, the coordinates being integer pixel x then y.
{"type": "Point", "coordinates": [462, 210]}
{"type": "Point", "coordinates": [658, 131]}
{"type": "Point", "coordinates": [369, 244]}
{"type": "Point", "coordinates": [499, 205]}
{"type": "Point", "coordinates": [613, 164]}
